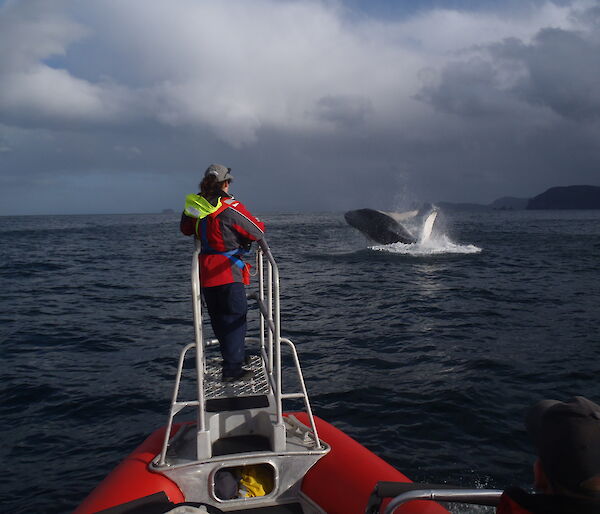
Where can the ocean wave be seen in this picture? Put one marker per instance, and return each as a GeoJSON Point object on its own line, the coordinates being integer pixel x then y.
{"type": "Point", "coordinates": [438, 246]}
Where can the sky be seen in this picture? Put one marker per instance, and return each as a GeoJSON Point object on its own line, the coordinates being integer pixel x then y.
{"type": "Point", "coordinates": [109, 106]}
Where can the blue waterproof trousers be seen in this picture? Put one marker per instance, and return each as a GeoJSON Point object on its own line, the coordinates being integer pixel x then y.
{"type": "Point", "coordinates": [227, 307]}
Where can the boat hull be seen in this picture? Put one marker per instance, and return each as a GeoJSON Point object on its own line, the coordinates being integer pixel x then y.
{"type": "Point", "coordinates": [132, 479]}
{"type": "Point", "coordinates": [343, 480]}
{"type": "Point", "coordinates": [340, 482]}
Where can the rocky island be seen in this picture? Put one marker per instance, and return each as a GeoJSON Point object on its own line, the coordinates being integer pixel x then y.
{"type": "Point", "coordinates": [569, 197]}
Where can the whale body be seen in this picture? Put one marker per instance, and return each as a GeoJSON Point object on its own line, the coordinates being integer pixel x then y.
{"type": "Point", "coordinates": [386, 227]}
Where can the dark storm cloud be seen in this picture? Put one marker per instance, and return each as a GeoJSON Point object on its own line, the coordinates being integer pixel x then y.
{"type": "Point", "coordinates": [526, 111]}
{"type": "Point", "coordinates": [343, 110]}
{"type": "Point", "coordinates": [562, 72]}
{"type": "Point", "coordinates": [469, 88]}
{"type": "Point", "coordinates": [559, 69]}
{"type": "Point", "coordinates": [350, 109]}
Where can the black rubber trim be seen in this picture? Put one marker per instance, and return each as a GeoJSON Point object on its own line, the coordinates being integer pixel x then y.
{"type": "Point", "coordinates": [237, 403]}
{"type": "Point", "coordinates": [240, 444]}
{"type": "Point", "coordinates": [287, 508]}
{"type": "Point", "coordinates": [158, 503]}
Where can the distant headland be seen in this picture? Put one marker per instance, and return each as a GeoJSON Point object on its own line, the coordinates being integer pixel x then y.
{"type": "Point", "coordinates": [567, 197]}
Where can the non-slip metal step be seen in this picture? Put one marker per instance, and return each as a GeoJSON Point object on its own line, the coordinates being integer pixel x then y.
{"type": "Point", "coordinates": [215, 388]}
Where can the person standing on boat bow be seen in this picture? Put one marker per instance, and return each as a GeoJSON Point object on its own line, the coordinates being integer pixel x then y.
{"type": "Point", "coordinates": [226, 230]}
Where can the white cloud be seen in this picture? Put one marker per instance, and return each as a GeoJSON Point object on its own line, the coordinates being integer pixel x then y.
{"type": "Point", "coordinates": [235, 66]}
{"type": "Point", "coordinates": [31, 91]}
{"type": "Point", "coordinates": [45, 95]}
{"type": "Point", "coordinates": [443, 32]}
{"type": "Point", "coordinates": [33, 30]}
{"type": "Point", "coordinates": [422, 87]}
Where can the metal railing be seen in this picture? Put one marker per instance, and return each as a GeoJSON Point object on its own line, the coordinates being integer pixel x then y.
{"type": "Point", "coordinates": [270, 316]}
{"type": "Point", "coordinates": [470, 496]}
{"type": "Point", "coordinates": [403, 492]}
{"type": "Point", "coordinates": [270, 341]}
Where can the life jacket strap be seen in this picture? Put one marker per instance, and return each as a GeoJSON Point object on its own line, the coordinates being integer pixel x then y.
{"type": "Point", "coordinates": [232, 255]}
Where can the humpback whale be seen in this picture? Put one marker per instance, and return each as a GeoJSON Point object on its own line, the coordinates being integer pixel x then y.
{"type": "Point", "coordinates": [386, 227]}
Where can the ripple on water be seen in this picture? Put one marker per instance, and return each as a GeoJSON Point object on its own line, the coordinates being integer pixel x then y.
{"type": "Point", "coordinates": [428, 355]}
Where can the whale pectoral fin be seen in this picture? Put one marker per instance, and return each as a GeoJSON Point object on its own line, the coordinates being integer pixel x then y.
{"type": "Point", "coordinates": [428, 226]}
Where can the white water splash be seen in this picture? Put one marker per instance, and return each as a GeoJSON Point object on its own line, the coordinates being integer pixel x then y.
{"type": "Point", "coordinates": [437, 245]}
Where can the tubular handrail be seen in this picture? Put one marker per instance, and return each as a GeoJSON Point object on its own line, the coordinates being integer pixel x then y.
{"type": "Point", "coordinates": [402, 492]}
{"type": "Point", "coordinates": [304, 393]}
{"type": "Point", "coordinates": [270, 344]}
{"type": "Point", "coordinates": [470, 496]}
{"type": "Point", "coordinates": [272, 314]}
{"type": "Point", "coordinates": [273, 317]}
{"type": "Point", "coordinates": [197, 307]}
{"type": "Point", "coordinates": [174, 403]}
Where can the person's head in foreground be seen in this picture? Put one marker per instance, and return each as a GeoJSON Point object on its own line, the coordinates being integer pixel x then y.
{"type": "Point", "coordinates": [567, 438]}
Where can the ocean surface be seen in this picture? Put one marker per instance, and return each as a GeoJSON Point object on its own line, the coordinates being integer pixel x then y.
{"type": "Point", "coordinates": [426, 354]}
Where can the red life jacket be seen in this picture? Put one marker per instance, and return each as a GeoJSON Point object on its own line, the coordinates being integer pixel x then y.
{"type": "Point", "coordinates": [224, 234]}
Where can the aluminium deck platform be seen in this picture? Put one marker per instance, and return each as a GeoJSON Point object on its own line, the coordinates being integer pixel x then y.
{"type": "Point", "coordinates": [215, 388]}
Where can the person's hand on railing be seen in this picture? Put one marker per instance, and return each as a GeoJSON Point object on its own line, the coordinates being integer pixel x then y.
{"type": "Point", "coordinates": [246, 244]}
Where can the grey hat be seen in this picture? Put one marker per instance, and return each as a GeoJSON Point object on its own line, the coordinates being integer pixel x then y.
{"type": "Point", "coordinates": [218, 170]}
{"type": "Point", "coordinates": [567, 438]}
